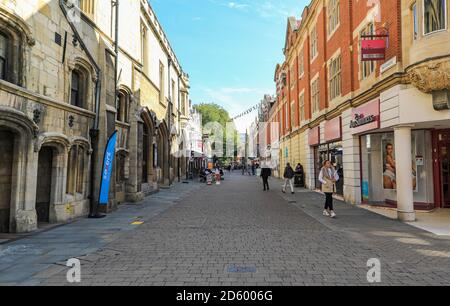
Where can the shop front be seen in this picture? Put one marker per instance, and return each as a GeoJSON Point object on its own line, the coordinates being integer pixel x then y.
{"type": "Point", "coordinates": [380, 163]}
{"type": "Point", "coordinates": [441, 157]}
{"type": "Point", "coordinates": [328, 148]}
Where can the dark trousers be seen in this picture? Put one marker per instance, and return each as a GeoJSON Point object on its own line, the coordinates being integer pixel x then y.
{"type": "Point", "coordinates": [329, 201]}
{"type": "Point", "coordinates": [266, 183]}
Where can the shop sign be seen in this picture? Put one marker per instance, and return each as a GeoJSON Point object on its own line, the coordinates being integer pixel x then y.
{"type": "Point", "coordinates": [314, 136]}
{"type": "Point", "coordinates": [366, 117]}
{"type": "Point", "coordinates": [373, 50]}
{"type": "Point", "coordinates": [333, 129]}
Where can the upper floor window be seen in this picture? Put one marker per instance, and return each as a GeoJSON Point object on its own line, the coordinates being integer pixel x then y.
{"type": "Point", "coordinates": [313, 42]}
{"type": "Point", "coordinates": [315, 96]}
{"type": "Point", "coordinates": [4, 42]}
{"type": "Point", "coordinates": [301, 64]}
{"type": "Point", "coordinates": [367, 68]}
{"type": "Point", "coordinates": [435, 15]}
{"type": "Point", "coordinates": [415, 21]}
{"type": "Point", "coordinates": [161, 83]}
{"type": "Point", "coordinates": [173, 97]}
{"type": "Point", "coordinates": [76, 92]}
{"type": "Point", "coordinates": [123, 105]}
{"type": "Point", "coordinates": [87, 6]}
{"type": "Point", "coordinates": [335, 78]}
{"type": "Point", "coordinates": [302, 107]}
{"type": "Point", "coordinates": [183, 104]}
{"type": "Point", "coordinates": [333, 15]}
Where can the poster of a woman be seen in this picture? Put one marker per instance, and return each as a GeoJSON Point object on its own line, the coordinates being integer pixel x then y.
{"type": "Point", "coordinates": [390, 168]}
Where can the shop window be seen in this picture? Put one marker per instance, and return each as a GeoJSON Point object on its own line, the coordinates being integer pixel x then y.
{"type": "Point", "coordinates": [335, 78]}
{"type": "Point", "coordinates": [333, 15]}
{"type": "Point", "coordinates": [434, 15]}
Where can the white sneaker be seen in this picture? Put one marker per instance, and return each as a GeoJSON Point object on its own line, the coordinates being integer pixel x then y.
{"type": "Point", "coordinates": [326, 213]}
{"type": "Point", "coordinates": [333, 215]}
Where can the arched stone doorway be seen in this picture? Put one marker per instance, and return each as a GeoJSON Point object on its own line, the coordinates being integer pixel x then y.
{"type": "Point", "coordinates": [6, 172]}
{"type": "Point", "coordinates": [44, 184]}
{"type": "Point", "coordinates": [163, 154]}
{"type": "Point", "coordinates": [147, 140]}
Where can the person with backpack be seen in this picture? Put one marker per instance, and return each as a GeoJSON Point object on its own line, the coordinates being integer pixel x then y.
{"type": "Point", "coordinates": [328, 177]}
{"type": "Point", "coordinates": [288, 177]}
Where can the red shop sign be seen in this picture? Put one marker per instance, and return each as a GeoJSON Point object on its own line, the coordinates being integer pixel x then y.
{"type": "Point", "coordinates": [366, 117]}
{"type": "Point", "coordinates": [314, 136]}
{"type": "Point", "coordinates": [333, 129]}
{"type": "Point", "coordinates": [373, 50]}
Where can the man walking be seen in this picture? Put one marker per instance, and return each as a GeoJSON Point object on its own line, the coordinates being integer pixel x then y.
{"type": "Point", "coordinates": [288, 177]}
{"type": "Point", "coordinates": [265, 174]}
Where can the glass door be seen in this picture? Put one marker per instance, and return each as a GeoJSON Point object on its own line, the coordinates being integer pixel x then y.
{"type": "Point", "coordinates": [445, 173]}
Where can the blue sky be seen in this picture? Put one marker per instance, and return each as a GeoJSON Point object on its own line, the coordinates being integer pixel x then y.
{"type": "Point", "coordinates": [229, 48]}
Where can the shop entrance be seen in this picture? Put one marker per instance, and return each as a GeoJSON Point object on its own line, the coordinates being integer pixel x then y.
{"type": "Point", "coordinates": [444, 149]}
{"type": "Point", "coordinates": [334, 153]}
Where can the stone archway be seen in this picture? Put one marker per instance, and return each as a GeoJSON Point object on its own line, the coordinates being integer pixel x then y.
{"type": "Point", "coordinates": [20, 168]}
{"type": "Point", "coordinates": [163, 154]}
{"type": "Point", "coordinates": [147, 154]}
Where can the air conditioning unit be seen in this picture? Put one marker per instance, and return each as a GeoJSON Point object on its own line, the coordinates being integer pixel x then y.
{"type": "Point", "coordinates": [441, 99]}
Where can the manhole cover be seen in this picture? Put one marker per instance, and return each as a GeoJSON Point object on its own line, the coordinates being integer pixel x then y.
{"type": "Point", "coordinates": [238, 269]}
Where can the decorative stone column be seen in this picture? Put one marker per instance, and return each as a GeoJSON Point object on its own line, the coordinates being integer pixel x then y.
{"type": "Point", "coordinates": [405, 193]}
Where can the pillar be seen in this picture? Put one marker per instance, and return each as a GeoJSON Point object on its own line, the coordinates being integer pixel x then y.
{"type": "Point", "coordinates": [405, 193]}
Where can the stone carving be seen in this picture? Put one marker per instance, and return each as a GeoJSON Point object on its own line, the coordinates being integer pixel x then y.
{"type": "Point", "coordinates": [433, 75]}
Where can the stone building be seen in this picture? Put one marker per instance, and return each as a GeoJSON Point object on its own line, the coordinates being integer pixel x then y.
{"type": "Point", "coordinates": [60, 102]}
{"type": "Point", "coordinates": [366, 116]}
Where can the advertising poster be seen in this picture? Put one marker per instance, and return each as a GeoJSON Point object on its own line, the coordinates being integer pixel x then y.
{"type": "Point", "coordinates": [389, 164]}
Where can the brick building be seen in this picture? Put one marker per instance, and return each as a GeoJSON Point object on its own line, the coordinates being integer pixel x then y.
{"type": "Point", "coordinates": [332, 105]}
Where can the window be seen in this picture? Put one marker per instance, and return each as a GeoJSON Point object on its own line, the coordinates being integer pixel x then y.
{"type": "Point", "coordinates": [120, 167]}
{"type": "Point", "coordinates": [302, 107]}
{"type": "Point", "coordinates": [415, 21]}
{"type": "Point", "coordinates": [122, 107]}
{"type": "Point", "coordinates": [333, 15]}
{"type": "Point", "coordinates": [315, 96]}
{"type": "Point", "coordinates": [161, 83]}
{"type": "Point", "coordinates": [434, 15]}
{"type": "Point", "coordinates": [335, 78]}
{"type": "Point", "coordinates": [173, 96]}
{"type": "Point", "coordinates": [314, 47]}
{"type": "Point", "coordinates": [293, 113]}
{"type": "Point", "coordinates": [286, 116]}
{"type": "Point", "coordinates": [367, 68]}
{"type": "Point", "coordinates": [301, 64]}
{"type": "Point", "coordinates": [87, 6]}
{"type": "Point", "coordinates": [75, 170]}
{"type": "Point", "coordinates": [183, 104]}
{"type": "Point", "coordinates": [3, 56]}
{"type": "Point", "coordinates": [76, 92]}
{"type": "Point", "coordinates": [144, 49]}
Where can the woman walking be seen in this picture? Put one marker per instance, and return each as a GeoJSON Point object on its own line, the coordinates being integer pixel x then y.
{"type": "Point", "coordinates": [288, 177]}
{"type": "Point", "coordinates": [328, 177]}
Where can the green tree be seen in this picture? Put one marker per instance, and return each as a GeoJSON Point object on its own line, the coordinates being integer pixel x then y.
{"type": "Point", "coordinates": [212, 112]}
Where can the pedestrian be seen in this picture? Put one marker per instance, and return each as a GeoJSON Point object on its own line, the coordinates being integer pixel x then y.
{"type": "Point", "coordinates": [288, 177]}
{"type": "Point", "coordinates": [328, 177]}
{"type": "Point", "coordinates": [265, 174]}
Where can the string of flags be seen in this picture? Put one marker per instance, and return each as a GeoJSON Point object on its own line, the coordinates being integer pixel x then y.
{"type": "Point", "coordinates": [248, 111]}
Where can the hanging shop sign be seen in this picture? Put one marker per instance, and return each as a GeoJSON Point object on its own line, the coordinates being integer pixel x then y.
{"type": "Point", "coordinates": [373, 50]}
{"type": "Point", "coordinates": [366, 117]}
{"type": "Point", "coordinates": [314, 136]}
{"type": "Point", "coordinates": [333, 129]}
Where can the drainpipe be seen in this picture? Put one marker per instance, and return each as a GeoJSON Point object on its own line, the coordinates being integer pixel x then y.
{"type": "Point", "coordinates": [94, 131]}
{"type": "Point", "coordinates": [170, 119]}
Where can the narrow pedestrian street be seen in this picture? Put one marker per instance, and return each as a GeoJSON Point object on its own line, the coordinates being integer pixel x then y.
{"type": "Point", "coordinates": [232, 234]}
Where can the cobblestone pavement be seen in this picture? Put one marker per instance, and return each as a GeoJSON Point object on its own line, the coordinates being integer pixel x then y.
{"type": "Point", "coordinates": [235, 234]}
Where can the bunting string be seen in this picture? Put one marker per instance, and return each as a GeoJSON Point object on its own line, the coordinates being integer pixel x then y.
{"type": "Point", "coordinates": [248, 111]}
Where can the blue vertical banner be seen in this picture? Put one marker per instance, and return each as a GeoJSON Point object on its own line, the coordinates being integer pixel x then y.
{"type": "Point", "coordinates": [108, 163]}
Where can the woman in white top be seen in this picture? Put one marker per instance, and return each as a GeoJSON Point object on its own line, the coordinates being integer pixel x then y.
{"type": "Point", "coordinates": [328, 177]}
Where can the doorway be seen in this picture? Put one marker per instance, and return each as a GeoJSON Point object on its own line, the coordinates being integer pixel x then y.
{"type": "Point", "coordinates": [44, 184]}
{"type": "Point", "coordinates": [444, 149]}
{"type": "Point", "coordinates": [6, 171]}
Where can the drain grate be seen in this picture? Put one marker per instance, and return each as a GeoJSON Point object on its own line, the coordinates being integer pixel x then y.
{"type": "Point", "coordinates": [239, 269]}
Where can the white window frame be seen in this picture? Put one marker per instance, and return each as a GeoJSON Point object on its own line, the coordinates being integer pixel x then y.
{"type": "Point", "coordinates": [315, 95]}
{"type": "Point", "coordinates": [335, 78]}
{"type": "Point", "coordinates": [337, 16]}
